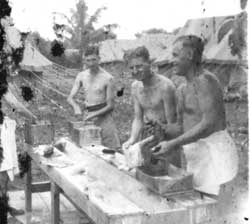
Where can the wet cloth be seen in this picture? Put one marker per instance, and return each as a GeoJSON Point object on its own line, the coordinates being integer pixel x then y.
{"type": "Point", "coordinates": [109, 131]}
{"type": "Point", "coordinates": [213, 161]}
{"type": "Point", "coordinates": [133, 156]}
{"type": "Point", "coordinates": [8, 143]}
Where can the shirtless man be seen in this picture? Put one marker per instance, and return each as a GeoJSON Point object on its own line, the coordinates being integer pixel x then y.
{"type": "Point", "coordinates": [210, 152]}
{"type": "Point", "coordinates": [153, 97]}
{"type": "Point", "coordinates": [99, 97]}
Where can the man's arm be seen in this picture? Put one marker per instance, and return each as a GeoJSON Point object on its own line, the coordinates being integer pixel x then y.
{"type": "Point", "coordinates": [109, 100]}
{"type": "Point", "coordinates": [13, 102]}
{"type": "Point", "coordinates": [174, 119]}
{"type": "Point", "coordinates": [210, 108]}
{"type": "Point", "coordinates": [169, 101]}
{"type": "Point", "coordinates": [137, 123]}
{"type": "Point", "coordinates": [70, 99]}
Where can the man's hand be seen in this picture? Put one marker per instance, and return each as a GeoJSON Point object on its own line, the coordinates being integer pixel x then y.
{"type": "Point", "coordinates": [162, 148]}
{"type": "Point", "coordinates": [77, 110]}
{"type": "Point", "coordinates": [89, 117]}
{"type": "Point", "coordinates": [127, 144]}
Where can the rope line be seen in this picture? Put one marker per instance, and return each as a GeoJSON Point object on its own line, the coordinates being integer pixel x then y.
{"type": "Point", "coordinates": [38, 90]}
{"type": "Point", "coordinates": [48, 85]}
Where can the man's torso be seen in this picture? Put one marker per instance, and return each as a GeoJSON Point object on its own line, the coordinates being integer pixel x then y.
{"type": "Point", "coordinates": [190, 96]}
{"type": "Point", "coordinates": [95, 86]}
{"type": "Point", "coordinates": [151, 99]}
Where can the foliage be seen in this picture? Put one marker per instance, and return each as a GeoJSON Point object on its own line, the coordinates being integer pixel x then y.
{"type": "Point", "coordinates": [46, 46]}
{"type": "Point", "coordinates": [57, 48]}
{"type": "Point", "coordinates": [237, 39]}
{"type": "Point", "coordinates": [11, 49]}
{"type": "Point", "coordinates": [78, 30]}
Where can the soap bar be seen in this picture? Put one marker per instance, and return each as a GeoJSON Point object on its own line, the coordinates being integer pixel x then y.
{"type": "Point", "coordinates": [40, 133]}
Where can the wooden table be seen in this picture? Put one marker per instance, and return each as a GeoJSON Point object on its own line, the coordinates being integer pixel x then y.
{"type": "Point", "coordinates": [111, 196]}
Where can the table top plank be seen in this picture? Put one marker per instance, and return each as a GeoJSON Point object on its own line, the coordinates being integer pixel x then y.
{"type": "Point", "coordinates": [102, 204]}
{"type": "Point", "coordinates": [109, 195]}
{"type": "Point", "coordinates": [121, 181]}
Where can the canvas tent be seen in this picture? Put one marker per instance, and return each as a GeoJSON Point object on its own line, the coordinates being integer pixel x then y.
{"type": "Point", "coordinates": [33, 60]}
{"type": "Point", "coordinates": [207, 29]}
{"type": "Point", "coordinates": [113, 50]}
{"type": "Point", "coordinates": [217, 56]}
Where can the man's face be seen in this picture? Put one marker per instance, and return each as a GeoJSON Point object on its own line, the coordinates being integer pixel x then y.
{"type": "Point", "coordinates": [182, 59]}
{"type": "Point", "coordinates": [139, 68]}
{"type": "Point", "coordinates": [92, 61]}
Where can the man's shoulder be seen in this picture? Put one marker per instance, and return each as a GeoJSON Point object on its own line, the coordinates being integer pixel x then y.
{"type": "Point", "coordinates": [165, 82]}
{"type": "Point", "coordinates": [208, 78]}
{"type": "Point", "coordinates": [105, 74]}
{"type": "Point", "coordinates": [209, 84]}
{"type": "Point", "coordinates": [83, 74]}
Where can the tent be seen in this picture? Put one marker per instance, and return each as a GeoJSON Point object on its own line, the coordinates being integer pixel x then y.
{"type": "Point", "coordinates": [217, 56]}
{"type": "Point", "coordinates": [114, 50]}
{"type": "Point", "coordinates": [207, 29]}
{"type": "Point", "coordinates": [33, 60]}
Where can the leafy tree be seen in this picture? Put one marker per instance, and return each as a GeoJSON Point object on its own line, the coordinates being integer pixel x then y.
{"type": "Point", "coordinates": [80, 27]}
{"type": "Point", "coordinates": [237, 39]}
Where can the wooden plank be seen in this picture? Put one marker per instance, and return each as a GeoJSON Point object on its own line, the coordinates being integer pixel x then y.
{"type": "Point", "coordinates": [66, 203]}
{"type": "Point", "coordinates": [120, 181]}
{"type": "Point", "coordinates": [28, 193]}
{"type": "Point", "coordinates": [40, 187]}
{"type": "Point", "coordinates": [100, 203]}
{"type": "Point", "coordinates": [46, 200]}
{"type": "Point", "coordinates": [55, 204]}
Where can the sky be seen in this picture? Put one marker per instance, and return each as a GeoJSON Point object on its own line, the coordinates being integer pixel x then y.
{"type": "Point", "coordinates": [132, 16]}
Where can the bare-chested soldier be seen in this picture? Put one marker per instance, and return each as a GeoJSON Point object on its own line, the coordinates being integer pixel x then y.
{"type": "Point", "coordinates": [210, 152]}
{"type": "Point", "coordinates": [99, 97]}
{"type": "Point", "coordinates": [153, 97]}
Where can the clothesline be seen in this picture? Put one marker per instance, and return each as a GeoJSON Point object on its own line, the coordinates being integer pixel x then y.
{"type": "Point", "coordinates": [51, 100]}
{"type": "Point", "coordinates": [48, 85]}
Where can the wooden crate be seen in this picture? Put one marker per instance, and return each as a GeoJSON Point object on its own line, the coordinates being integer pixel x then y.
{"type": "Point", "coordinates": [177, 180]}
{"type": "Point", "coordinates": [39, 133]}
{"type": "Point", "coordinates": [83, 136]}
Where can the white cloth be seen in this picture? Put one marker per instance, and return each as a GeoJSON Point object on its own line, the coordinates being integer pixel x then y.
{"type": "Point", "coordinates": [134, 156]}
{"type": "Point", "coordinates": [8, 142]}
{"type": "Point", "coordinates": [213, 161]}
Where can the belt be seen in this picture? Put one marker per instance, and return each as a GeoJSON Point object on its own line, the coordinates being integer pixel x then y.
{"type": "Point", "coordinates": [96, 107]}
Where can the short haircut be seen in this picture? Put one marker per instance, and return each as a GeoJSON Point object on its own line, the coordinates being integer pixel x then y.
{"type": "Point", "coordinates": [92, 49]}
{"type": "Point", "coordinates": [196, 44]}
{"type": "Point", "coordinates": [139, 52]}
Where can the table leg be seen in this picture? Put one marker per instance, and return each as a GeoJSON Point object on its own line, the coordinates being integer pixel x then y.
{"type": "Point", "coordinates": [55, 204]}
{"type": "Point", "coordinates": [28, 190]}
